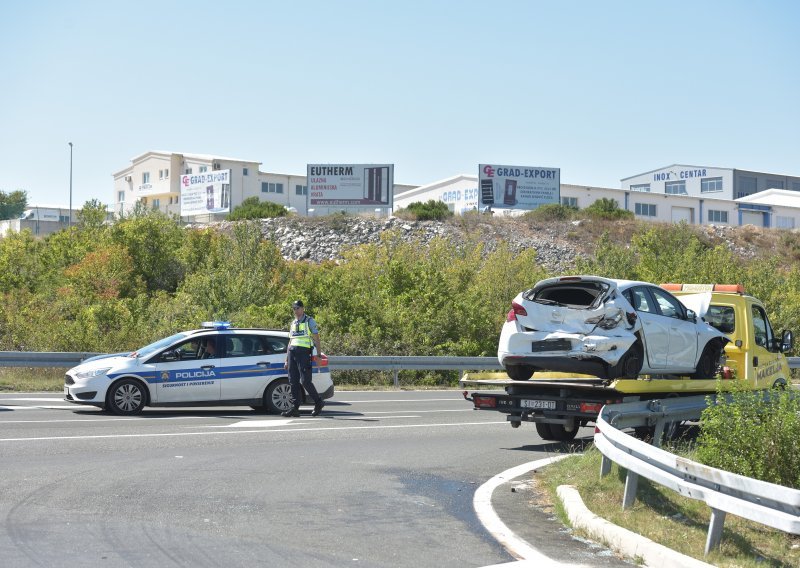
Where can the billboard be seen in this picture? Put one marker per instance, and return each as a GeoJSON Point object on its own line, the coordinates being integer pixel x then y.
{"type": "Point", "coordinates": [207, 192]}
{"type": "Point", "coordinates": [365, 185]}
{"type": "Point", "coordinates": [518, 187]}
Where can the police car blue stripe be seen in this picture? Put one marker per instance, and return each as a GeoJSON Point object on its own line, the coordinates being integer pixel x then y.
{"type": "Point", "coordinates": [220, 373]}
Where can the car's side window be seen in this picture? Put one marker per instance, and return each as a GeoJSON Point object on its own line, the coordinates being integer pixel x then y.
{"type": "Point", "coordinates": [274, 345]}
{"type": "Point", "coordinates": [243, 346]}
{"type": "Point", "coordinates": [763, 331]}
{"type": "Point", "coordinates": [188, 350]}
{"type": "Point", "coordinates": [637, 297]}
{"type": "Point", "coordinates": [667, 305]}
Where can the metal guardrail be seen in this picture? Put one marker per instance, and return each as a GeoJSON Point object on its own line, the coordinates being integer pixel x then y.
{"type": "Point", "coordinates": [765, 503]}
{"type": "Point", "coordinates": [336, 363]}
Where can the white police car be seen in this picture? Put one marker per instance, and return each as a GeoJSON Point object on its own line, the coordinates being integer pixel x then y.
{"type": "Point", "coordinates": [215, 365]}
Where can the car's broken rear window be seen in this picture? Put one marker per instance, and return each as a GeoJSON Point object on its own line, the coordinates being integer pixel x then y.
{"type": "Point", "coordinates": [573, 294]}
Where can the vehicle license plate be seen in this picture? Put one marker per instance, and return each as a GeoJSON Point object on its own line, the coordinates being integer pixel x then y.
{"type": "Point", "coordinates": [539, 404]}
{"type": "Point", "coordinates": [551, 345]}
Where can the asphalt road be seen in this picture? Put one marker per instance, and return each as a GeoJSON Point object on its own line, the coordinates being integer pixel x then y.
{"type": "Point", "coordinates": [379, 479]}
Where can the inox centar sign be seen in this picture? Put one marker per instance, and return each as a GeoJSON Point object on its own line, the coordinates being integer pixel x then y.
{"type": "Point", "coordinates": [683, 174]}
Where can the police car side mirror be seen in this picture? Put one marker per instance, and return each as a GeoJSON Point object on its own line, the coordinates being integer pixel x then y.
{"type": "Point", "coordinates": [787, 341]}
{"type": "Point", "coordinates": [169, 356]}
{"type": "Point", "coordinates": [691, 316]}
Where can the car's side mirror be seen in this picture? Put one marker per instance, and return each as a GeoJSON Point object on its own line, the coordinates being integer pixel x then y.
{"type": "Point", "coordinates": [787, 341]}
{"type": "Point", "coordinates": [169, 356]}
{"type": "Point", "coordinates": [691, 316]}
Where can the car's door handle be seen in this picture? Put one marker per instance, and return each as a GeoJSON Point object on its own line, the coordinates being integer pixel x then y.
{"type": "Point", "coordinates": [262, 364]}
{"type": "Point", "coordinates": [207, 367]}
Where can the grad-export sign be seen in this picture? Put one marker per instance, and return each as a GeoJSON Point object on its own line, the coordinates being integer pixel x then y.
{"type": "Point", "coordinates": [366, 185]}
{"type": "Point", "coordinates": [207, 192]}
{"type": "Point", "coordinates": [518, 187]}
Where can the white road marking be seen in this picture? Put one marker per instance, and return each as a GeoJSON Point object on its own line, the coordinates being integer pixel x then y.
{"type": "Point", "coordinates": [254, 424]}
{"type": "Point", "coordinates": [41, 399]}
{"type": "Point", "coordinates": [38, 407]}
{"type": "Point", "coordinates": [262, 431]}
{"type": "Point", "coordinates": [482, 502]}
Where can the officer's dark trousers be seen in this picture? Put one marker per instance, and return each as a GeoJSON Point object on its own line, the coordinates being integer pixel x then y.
{"type": "Point", "coordinates": [300, 374]}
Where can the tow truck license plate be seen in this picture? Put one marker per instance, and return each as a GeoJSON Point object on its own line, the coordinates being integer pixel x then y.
{"type": "Point", "coordinates": [543, 404]}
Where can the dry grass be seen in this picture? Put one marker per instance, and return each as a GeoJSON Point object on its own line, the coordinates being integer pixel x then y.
{"type": "Point", "coordinates": [31, 380]}
{"type": "Point", "coordinates": [668, 518]}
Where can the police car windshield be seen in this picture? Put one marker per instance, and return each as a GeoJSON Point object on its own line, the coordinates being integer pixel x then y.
{"type": "Point", "coordinates": [160, 344]}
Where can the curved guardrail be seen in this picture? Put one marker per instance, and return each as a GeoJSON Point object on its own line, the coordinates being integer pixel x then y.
{"type": "Point", "coordinates": [724, 492]}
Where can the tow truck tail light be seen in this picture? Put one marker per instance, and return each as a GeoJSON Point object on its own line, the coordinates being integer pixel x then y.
{"type": "Point", "coordinates": [516, 310]}
{"type": "Point", "coordinates": [484, 401]}
{"type": "Point", "coordinates": [591, 407]}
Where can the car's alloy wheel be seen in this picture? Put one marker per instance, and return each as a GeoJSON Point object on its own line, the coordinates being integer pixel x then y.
{"type": "Point", "coordinates": [278, 397]}
{"type": "Point", "coordinates": [707, 365]}
{"type": "Point", "coordinates": [126, 397]}
{"type": "Point", "coordinates": [630, 364]}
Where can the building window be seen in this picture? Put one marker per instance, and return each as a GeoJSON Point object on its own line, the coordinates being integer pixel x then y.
{"type": "Point", "coordinates": [708, 185]}
{"type": "Point", "coordinates": [166, 174]}
{"type": "Point", "coordinates": [784, 222]}
{"type": "Point", "coordinates": [244, 171]}
{"type": "Point", "coordinates": [301, 190]}
{"type": "Point", "coordinates": [645, 209]}
{"type": "Point", "coordinates": [645, 187]}
{"type": "Point", "coordinates": [796, 186]}
{"type": "Point", "coordinates": [271, 187]}
{"type": "Point", "coordinates": [145, 177]}
{"type": "Point", "coordinates": [121, 196]}
{"type": "Point", "coordinates": [747, 186]}
{"type": "Point", "coordinates": [675, 188]}
{"type": "Point", "coordinates": [156, 203]}
{"type": "Point", "coordinates": [774, 184]}
{"type": "Point", "coordinates": [63, 218]}
{"type": "Point", "coordinates": [717, 216]}
{"type": "Point", "coordinates": [570, 202]}
{"type": "Point", "coordinates": [203, 169]}
{"type": "Point", "coordinates": [187, 171]}
{"type": "Point", "coordinates": [160, 174]}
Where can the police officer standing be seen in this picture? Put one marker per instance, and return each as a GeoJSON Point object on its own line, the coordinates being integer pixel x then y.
{"type": "Point", "coordinates": [303, 336]}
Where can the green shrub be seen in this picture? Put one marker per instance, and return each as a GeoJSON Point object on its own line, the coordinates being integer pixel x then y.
{"type": "Point", "coordinates": [254, 208]}
{"type": "Point", "coordinates": [753, 435]}
{"type": "Point", "coordinates": [429, 211]}
{"type": "Point", "coordinates": [552, 212]}
{"type": "Point", "coordinates": [608, 209]}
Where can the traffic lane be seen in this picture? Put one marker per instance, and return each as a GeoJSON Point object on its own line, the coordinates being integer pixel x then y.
{"type": "Point", "coordinates": [323, 499]}
{"type": "Point", "coordinates": [32, 421]}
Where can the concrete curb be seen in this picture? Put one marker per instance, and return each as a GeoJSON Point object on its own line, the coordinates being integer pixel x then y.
{"type": "Point", "coordinates": [622, 540]}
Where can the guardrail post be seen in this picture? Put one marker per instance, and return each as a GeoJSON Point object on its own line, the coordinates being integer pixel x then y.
{"type": "Point", "coordinates": [715, 530]}
{"type": "Point", "coordinates": [605, 466]}
{"type": "Point", "coordinates": [396, 377]}
{"type": "Point", "coordinates": [631, 482]}
{"type": "Point", "coordinates": [658, 435]}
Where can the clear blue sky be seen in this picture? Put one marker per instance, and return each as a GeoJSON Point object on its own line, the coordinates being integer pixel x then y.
{"type": "Point", "coordinates": [602, 90]}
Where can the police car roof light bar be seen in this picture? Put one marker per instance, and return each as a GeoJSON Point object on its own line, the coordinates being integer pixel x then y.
{"type": "Point", "coordinates": [216, 325]}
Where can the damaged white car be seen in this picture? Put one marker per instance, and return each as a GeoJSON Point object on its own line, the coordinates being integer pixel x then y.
{"type": "Point", "coordinates": [606, 328]}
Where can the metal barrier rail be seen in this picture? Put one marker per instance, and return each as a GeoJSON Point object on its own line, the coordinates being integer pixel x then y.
{"type": "Point", "coordinates": [336, 363]}
{"type": "Point", "coordinates": [765, 503]}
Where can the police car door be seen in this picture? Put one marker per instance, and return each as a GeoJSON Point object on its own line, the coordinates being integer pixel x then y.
{"type": "Point", "coordinates": [187, 372]}
{"type": "Point", "coordinates": [244, 368]}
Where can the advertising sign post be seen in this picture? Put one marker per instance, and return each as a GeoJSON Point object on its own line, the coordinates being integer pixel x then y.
{"type": "Point", "coordinates": [518, 187]}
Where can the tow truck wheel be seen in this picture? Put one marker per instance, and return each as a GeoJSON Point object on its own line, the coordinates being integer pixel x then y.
{"type": "Point", "coordinates": [564, 433]}
{"type": "Point", "coordinates": [543, 429]}
{"type": "Point", "coordinates": [519, 372]}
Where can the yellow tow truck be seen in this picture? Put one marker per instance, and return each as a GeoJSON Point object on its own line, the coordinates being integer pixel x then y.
{"type": "Point", "coordinates": [560, 403]}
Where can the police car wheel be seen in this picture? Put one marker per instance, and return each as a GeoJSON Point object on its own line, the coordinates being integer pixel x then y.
{"type": "Point", "coordinates": [278, 397]}
{"type": "Point", "coordinates": [126, 397]}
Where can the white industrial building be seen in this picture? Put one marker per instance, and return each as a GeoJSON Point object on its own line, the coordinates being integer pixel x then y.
{"type": "Point", "coordinates": [695, 194]}
{"type": "Point", "coordinates": [41, 220]}
{"type": "Point", "coordinates": [155, 178]}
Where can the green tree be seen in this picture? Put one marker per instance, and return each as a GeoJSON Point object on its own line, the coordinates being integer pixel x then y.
{"type": "Point", "coordinates": [254, 208]}
{"type": "Point", "coordinates": [607, 208]}
{"type": "Point", "coordinates": [12, 204]}
{"type": "Point", "coordinates": [92, 215]}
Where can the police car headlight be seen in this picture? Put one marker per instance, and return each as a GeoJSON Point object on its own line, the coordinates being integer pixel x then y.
{"type": "Point", "coordinates": [93, 373]}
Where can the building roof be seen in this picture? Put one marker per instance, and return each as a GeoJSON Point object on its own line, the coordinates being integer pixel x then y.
{"type": "Point", "coordinates": [775, 197]}
{"type": "Point", "coordinates": [435, 185]}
